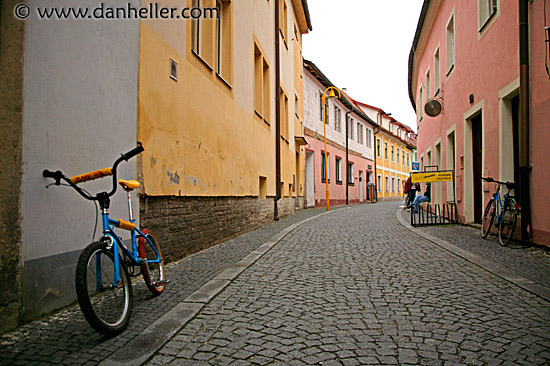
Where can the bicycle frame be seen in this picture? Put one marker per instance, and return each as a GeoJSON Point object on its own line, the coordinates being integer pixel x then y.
{"type": "Point", "coordinates": [499, 206]}
{"type": "Point", "coordinates": [116, 242]}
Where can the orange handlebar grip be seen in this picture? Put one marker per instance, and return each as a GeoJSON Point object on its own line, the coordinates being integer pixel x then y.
{"type": "Point", "coordinates": [126, 225]}
{"type": "Point", "coordinates": [91, 175]}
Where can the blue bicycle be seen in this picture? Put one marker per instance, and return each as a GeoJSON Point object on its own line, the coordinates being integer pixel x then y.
{"type": "Point", "coordinates": [503, 215]}
{"type": "Point", "coordinates": [104, 268]}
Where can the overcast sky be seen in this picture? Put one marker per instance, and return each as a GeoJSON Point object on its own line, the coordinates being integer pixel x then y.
{"type": "Point", "coordinates": [364, 45]}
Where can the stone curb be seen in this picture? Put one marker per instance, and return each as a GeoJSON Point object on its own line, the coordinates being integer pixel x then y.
{"type": "Point", "coordinates": [496, 269]}
{"type": "Point", "coordinates": [141, 348]}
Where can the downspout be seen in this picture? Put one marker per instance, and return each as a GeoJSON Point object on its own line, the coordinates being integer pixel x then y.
{"type": "Point", "coordinates": [376, 131]}
{"type": "Point", "coordinates": [524, 151]}
{"type": "Point", "coordinates": [277, 115]}
{"type": "Point", "coordinates": [347, 158]}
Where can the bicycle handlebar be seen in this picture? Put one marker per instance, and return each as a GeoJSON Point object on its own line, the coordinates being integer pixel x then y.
{"type": "Point", "coordinates": [58, 175]}
{"type": "Point", "coordinates": [509, 185]}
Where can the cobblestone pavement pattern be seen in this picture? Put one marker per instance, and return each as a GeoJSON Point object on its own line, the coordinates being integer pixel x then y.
{"type": "Point", "coordinates": [351, 287]}
{"type": "Point", "coordinates": [66, 338]}
{"type": "Point", "coordinates": [355, 287]}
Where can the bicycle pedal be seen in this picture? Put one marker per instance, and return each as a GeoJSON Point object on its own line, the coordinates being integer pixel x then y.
{"type": "Point", "coordinates": [162, 283]}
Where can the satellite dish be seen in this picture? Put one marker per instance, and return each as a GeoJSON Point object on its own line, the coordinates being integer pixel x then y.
{"type": "Point", "coordinates": [433, 107]}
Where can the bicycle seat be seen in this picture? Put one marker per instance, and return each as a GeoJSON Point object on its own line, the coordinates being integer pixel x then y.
{"type": "Point", "coordinates": [128, 185]}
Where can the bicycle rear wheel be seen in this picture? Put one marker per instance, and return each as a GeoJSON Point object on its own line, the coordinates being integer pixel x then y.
{"type": "Point", "coordinates": [105, 305]}
{"type": "Point", "coordinates": [488, 218]}
{"type": "Point", "coordinates": [152, 268]}
{"type": "Point", "coordinates": [507, 225]}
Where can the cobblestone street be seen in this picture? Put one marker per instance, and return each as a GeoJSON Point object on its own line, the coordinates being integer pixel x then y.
{"type": "Point", "coordinates": [353, 286]}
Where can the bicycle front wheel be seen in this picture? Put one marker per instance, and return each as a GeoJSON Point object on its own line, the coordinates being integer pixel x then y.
{"type": "Point", "coordinates": [507, 225]}
{"type": "Point", "coordinates": [106, 304]}
{"type": "Point", "coordinates": [488, 218]}
{"type": "Point", "coordinates": [152, 267]}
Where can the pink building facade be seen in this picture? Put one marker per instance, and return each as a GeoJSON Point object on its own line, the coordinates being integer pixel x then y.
{"type": "Point", "coordinates": [350, 175]}
{"type": "Point", "coordinates": [466, 56]}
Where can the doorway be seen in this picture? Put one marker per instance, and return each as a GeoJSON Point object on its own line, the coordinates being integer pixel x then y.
{"type": "Point", "coordinates": [361, 186]}
{"type": "Point", "coordinates": [477, 166]}
{"type": "Point", "coordinates": [310, 179]}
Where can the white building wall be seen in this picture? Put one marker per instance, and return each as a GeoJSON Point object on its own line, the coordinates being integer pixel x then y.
{"type": "Point", "coordinates": [312, 90]}
{"type": "Point", "coordinates": [80, 113]}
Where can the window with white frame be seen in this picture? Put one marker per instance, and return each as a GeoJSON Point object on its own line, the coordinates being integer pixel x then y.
{"type": "Point", "coordinates": [450, 44]}
{"type": "Point", "coordinates": [392, 154]}
{"type": "Point", "coordinates": [386, 150]}
{"type": "Point", "coordinates": [350, 128]}
{"type": "Point", "coordinates": [437, 72]}
{"type": "Point", "coordinates": [323, 175]}
{"type": "Point", "coordinates": [378, 148]}
{"type": "Point", "coordinates": [338, 170]}
{"type": "Point", "coordinates": [428, 81]}
{"type": "Point", "coordinates": [398, 156]}
{"type": "Point", "coordinates": [387, 187]}
{"type": "Point", "coordinates": [393, 185]}
{"type": "Point", "coordinates": [379, 183]}
{"type": "Point", "coordinates": [398, 185]}
{"type": "Point", "coordinates": [351, 176]}
{"type": "Point", "coordinates": [486, 10]}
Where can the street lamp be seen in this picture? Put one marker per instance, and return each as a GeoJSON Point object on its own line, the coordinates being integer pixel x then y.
{"type": "Point", "coordinates": [330, 95]}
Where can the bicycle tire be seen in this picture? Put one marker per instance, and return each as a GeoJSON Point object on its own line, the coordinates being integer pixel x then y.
{"type": "Point", "coordinates": [108, 308]}
{"type": "Point", "coordinates": [507, 225]}
{"type": "Point", "coordinates": [153, 273]}
{"type": "Point", "coordinates": [488, 218]}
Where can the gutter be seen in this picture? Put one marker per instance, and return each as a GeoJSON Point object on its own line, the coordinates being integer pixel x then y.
{"type": "Point", "coordinates": [277, 117]}
{"type": "Point", "coordinates": [524, 151]}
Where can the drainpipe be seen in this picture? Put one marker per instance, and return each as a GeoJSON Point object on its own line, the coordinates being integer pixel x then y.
{"type": "Point", "coordinates": [376, 131]}
{"type": "Point", "coordinates": [277, 115]}
{"type": "Point", "coordinates": [347, 160]}
{"type": "Point", "coordinates": [524, 151]}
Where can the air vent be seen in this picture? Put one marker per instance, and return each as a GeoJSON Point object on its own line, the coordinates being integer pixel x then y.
{"type": "Point", "coordinates": [173, 70]}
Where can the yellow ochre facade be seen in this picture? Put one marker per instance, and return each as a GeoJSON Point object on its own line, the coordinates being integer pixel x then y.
{"type": "Point", "coordinates": [202, 133]}
{"type": "Point", "coordinates": [207, 121]}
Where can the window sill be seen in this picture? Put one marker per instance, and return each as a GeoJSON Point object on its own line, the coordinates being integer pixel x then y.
{"type": "Point", "coordinates": [202, 60]}
{"type": "Point", "coordinates": [339, 182]}
{"type": "Point", "coordinates": [449, 71]}
{"type": "Point", "coordinates": [487, 21]}
{"type": "Point", "coordinates": [224, 81]}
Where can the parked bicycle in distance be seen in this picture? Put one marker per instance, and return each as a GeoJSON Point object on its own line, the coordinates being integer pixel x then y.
{"type": "Point", "coordinates": [104, 268]}
{"type": "Point", "coordinates": [503, 215]}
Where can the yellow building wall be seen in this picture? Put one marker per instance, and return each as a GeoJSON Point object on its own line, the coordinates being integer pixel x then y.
{"type": "Point", "coordinates": [386, 168]}
{"type": "Point", "coordinates": [201, 135]}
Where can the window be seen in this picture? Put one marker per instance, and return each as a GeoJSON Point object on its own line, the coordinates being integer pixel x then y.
{"type": "Point", "coordinates": [428, 89]}
{"type": "Point", "coordinates": [392, 153]}
{"type": "Point", "coordinates": [486, 10]}
{"type": "Point", "coordinates": [437, 76]}
{"type": "Point", "coordinates": [398, 185]}
{"type": "Point", "coordinates": [369, 137]}
{"type": "Point", "coordinates": [283, 20]}
{"type": "Point", "coordinates": [359, 133]}
{"type": "Point", "coordinates": [387, 187]}
{"type": "Point", "coordinates": [378, 148]}
{"type": "Point", "coordinates": [173, 70]}
{"type": "Point", "coordinates": [284, 115]}
{"type": "Point", "coordinates": [407, 160]}
{"type": "Point", "coordinates": [398, 156]}
{"type": "Point", "coordinates": [420, 107]}
{"type": "Point", "coordinates": [379, 183]}
{"type": "Point", "coordinates": [337, 119]}
{"type": "Point", "coordinates": [393, 185]}
{"type": "Point", "coordinates": [297, 105]}
{"type": "Point", "coordinates": [195, 29]}
{"type": "Point", "coordinates": [323, 175]}
{"type": "Point", "coordinates": [350, 128]}
{"type": "Point", "coordinates": [450, 44]}
{"type": "Point", "coordinates": [211, 38]}
{"type": "Point", "coordinates": [321, 108]}
{"type": "Point", "coordinates": [261, 85]}
{"type": "Point", "coordinates": [351, 179]}
{"type": "Point", "coordinates": [338, 171]}
{"type": "Point", "coordinates": [386, 150]}
{"type": "Point", "coordinates": [403, 160]}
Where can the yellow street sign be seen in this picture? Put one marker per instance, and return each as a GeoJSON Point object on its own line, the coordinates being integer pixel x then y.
{"type": "Point", "coordinates": [426, 177]}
